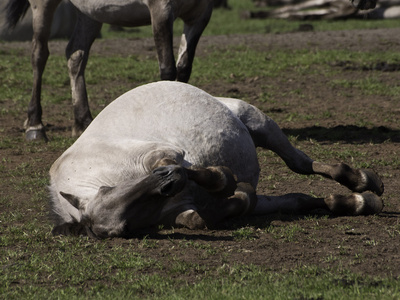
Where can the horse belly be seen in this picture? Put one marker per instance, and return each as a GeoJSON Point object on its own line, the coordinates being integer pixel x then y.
{"type": "Point", "coordinates": [130, 13]}
{"type": "Point", "coordinates": [235, 152]}
{"type": "Point", "coordinates": [185, 117]}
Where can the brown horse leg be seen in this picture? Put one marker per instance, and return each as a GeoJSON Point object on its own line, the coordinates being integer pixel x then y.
{"type": "Point", "coordinates": [42, 17]}
{"type": "Point", "coordinates": [354, 204]}
{"type": "Point", "coordinates": [162, 21]}
{"type": "Point", "coordinates": [267, 134]}
{"type": "Point", "coordinates": [77, 54]}
{"type": "Point", "coordinates": [190, 38]}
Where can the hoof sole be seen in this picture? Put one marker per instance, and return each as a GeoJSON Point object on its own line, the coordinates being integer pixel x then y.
{"type": "Point", "coordinates": [355, 204]}
{"type": "Point", "coordinates": [373, 182]}
{"type": "Point", "coordinates": [372, 204]}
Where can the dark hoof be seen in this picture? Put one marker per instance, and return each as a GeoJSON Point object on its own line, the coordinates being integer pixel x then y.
{"type": "Point", "coordinates": [36, 135]}
{"type": "Point", "coordinates": [372, 182]}
{"type": "Point", "coordinates": [372, 204]}
{"type": "Point", "coordinates": [356, 204]}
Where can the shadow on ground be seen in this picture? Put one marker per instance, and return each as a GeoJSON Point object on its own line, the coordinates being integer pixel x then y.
{"type": "Point", "coordinates": [349, 134]}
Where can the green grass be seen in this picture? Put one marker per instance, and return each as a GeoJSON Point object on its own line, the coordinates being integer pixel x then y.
{"type": "Point", "coordinates": [61, 275]}
{"type": "Point", "coordinates": [36, 265]}
{"type": "Point", "coordinates": [234, 64]}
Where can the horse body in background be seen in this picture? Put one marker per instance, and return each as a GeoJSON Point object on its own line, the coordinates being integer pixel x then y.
{"type": "Point", "coordinates": [91, 14]}
{"type": "Point", "coordinates": [62, 27]}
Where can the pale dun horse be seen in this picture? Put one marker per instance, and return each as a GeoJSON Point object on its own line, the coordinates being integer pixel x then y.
{"type": "Point", "coordinates": [91, 14]}
{"type": "Point", "coordinates": [191, 161]}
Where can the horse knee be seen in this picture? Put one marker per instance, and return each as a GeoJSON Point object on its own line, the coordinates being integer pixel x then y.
{"type": "Point", "coordinates": [219, 180]}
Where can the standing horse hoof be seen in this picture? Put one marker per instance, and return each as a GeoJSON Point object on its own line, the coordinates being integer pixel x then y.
{"type": "Point", "coordinates": [36, 135]}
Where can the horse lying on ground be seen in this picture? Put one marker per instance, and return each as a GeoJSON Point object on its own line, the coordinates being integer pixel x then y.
{"type": "Point", "coordinates": [91, 14]}
{"type": "Point", "coordinates": [169, 153]}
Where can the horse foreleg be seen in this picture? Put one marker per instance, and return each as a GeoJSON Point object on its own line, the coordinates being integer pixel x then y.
{"type": "Point", "coordinates": [42, 17]}
{"type": "Point", "coordinates": [77, 54]}
{"type": "Point", "coordinates": [162, 20]}
{"type": "Point", "coordinates": [191, 35]}
{"type": "Point", "coordinates": [242, 202]}
{"type": "Point", "coordinates": [219, 181]}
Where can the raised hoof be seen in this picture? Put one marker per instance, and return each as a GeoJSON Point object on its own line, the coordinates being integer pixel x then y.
{"type": "Point", "coordinates": [36, 135]}
{"type": "Point", "coordinates": [356, 204]}
{"type": "Point", "coordinates": [372, 182]}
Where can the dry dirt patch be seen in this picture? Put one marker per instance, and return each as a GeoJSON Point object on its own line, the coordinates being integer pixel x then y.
{"type": "Point", "coordinates": [368, 245]}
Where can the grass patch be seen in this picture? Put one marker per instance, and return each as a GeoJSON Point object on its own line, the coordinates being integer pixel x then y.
{"type": "Point", "coordinates": [34, 264]}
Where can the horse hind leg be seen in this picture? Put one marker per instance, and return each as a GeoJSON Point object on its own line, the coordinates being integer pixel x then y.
{"type": "Point", "coordinates": [356, 180]}
{"type": "Point", "coordinates": [355, 204]}
{"type": "Point", "coordinates": [366, 203]}
{"type": "Point", "coordinates": [189, 40]}
{"type": "Point", "coordinates": [267, 134]}
{"type": "Point", "coordinates": [77, 54]}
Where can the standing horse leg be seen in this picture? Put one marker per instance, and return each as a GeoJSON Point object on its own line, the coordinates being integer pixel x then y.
{"type": "Point", "coordinates": [191, 34]}
{"type": "Point", "coordinates": [77, 54]}
{"type": "Point", "coordinates": [42, 17]}
{"type": "Point", "coordinates": [162, 21]}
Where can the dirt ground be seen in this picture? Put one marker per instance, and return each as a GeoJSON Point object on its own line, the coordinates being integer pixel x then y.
{"type": "Point", "coordinates": [345, 119]}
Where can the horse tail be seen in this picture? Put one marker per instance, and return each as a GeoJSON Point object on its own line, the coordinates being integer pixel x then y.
{"type": "Point", "coordinates": [15, 11]}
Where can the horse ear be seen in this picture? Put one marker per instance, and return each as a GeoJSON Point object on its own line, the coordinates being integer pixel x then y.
{"type": "Point", "coordinates": [73, 200]}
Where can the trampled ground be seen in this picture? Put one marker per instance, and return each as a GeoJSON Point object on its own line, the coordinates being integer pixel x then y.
{"type": "Point", "coordinates": [325, 117]}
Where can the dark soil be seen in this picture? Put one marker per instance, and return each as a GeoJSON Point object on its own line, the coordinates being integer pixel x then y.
{"type": "Point", "coordinates": [344, 118]}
